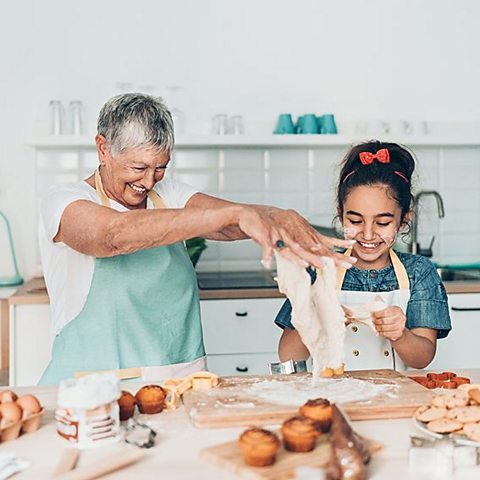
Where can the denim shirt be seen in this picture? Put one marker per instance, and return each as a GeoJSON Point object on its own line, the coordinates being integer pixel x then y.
{"type": "Point", "coordinates": [428, 304]}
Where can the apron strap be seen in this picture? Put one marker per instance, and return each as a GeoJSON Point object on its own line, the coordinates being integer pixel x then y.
{"type": "Point", "coordinates": [398, 268]}
{"type": "Point", "coordinates": [152, 194]}
{"type": "Point", "coordinates": [400, 271]}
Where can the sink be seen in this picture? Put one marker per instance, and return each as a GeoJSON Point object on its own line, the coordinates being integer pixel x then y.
{"type": "Point", "coordinates": [458, 275]}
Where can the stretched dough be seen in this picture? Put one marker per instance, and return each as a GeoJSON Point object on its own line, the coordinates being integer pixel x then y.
{"type": "Point", "coordinates": [316, 311]}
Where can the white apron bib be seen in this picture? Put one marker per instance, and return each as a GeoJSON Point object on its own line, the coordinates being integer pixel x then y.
{"type": "Point", "coordinates": [363, 349]}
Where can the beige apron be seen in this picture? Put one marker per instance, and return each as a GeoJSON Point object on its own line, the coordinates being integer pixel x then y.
{"type": "Point", "coordinates": [364, 349]}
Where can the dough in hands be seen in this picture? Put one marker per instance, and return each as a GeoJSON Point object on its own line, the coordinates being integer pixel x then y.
{"type": "Point", "coordinates": [363, 313]}
{"type": "Point", "coordinates": [316, 311]}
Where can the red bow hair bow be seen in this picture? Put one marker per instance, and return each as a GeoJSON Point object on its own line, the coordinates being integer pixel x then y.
{"type": "Point", "coordinates": [382, 156]}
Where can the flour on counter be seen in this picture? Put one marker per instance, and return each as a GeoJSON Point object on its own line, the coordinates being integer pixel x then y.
{"type": "Point", "coordinates": [336, 390]}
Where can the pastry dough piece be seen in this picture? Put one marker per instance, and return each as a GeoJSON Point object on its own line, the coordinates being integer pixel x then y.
{"type": "Point", "coordinates": [363, 313]}
{"type": "Point", "coordinates": [316, 312]}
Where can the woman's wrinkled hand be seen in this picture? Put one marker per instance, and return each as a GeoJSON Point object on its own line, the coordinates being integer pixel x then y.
{"type": "Point", "coordinates": [300, 242]}
{"type": "Point", "coordinates": [390, 323]}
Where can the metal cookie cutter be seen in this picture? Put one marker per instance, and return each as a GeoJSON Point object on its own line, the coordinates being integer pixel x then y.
{"type": "Point", "coordinates": [290, 366]}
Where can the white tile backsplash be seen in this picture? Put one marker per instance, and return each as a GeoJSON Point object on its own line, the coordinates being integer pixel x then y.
{"type": "Point", "coordinates": [304, 179]}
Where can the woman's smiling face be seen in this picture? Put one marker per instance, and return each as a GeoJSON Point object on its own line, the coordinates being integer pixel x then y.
{"type": "Point", "coordinates": [373, 218]}
{"type": "Point", "coordinates": [129, 176]}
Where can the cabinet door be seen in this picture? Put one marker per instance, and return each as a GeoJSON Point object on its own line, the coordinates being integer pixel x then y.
{"type": "Point", "coordinates": [240, 326]}
{"type": "Point", "coordinates": [30, 343]}
{"type": "Point", "coordinates": [460, 348]}
{"type": "Point", "coordinates": [244, 364]}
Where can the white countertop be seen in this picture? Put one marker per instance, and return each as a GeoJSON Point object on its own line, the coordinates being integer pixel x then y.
{"type": "Point", "coordinates": [176, 453]}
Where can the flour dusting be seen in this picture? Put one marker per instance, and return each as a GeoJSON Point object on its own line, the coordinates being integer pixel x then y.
{"type": "Point", "coordinates": [336, 390]}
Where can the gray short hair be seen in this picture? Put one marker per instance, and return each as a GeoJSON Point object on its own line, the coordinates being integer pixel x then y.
{"type": "Point", "coordinates": [136, 120]}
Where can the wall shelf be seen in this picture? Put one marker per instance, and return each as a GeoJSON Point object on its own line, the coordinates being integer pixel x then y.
{"type": "Point", "coordinates": [261, 141]}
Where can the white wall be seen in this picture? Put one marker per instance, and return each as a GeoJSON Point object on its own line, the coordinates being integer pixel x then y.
{"type": "Point", "coordinates": [357, 58]}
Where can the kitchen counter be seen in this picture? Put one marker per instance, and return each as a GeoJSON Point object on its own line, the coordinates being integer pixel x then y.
{"type": "Point", "coordinates": [176, 453]}
{"type": "Point", "coordinates": [34, 292]}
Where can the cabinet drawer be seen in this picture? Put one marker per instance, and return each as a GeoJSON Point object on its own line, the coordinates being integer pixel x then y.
{"type": "Point", "coordinates": [459, 349]}
{"type": "Point", "coordinates": [246, 364]}
{"type": "Point", "coordinates": [240, 326]}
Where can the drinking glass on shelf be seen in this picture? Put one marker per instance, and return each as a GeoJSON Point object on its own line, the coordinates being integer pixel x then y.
{"type": "Point", "coordinates": [236, 126]}
{"type": "Point", "coordinates": [75, 109]}
{"type": "Point", "coordinates": [172, 101]}
{"type": "Point", "coordinates": [56, 117]}
{"type": "Point", "coordinates": [220, 124]}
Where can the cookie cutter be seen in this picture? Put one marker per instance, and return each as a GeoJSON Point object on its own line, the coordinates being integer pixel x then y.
{"type": "Point", "coordinates": [290, 366]}
{"type": "Point", "coordinates": [139, 434]}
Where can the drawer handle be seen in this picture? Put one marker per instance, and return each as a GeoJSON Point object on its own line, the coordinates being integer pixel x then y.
{"type": "Point", "coordinates": [241, 369]}
{"type": "Point", "coordinates": [241, 314]}
{"type": "Point", "coordinates": [466, 309]}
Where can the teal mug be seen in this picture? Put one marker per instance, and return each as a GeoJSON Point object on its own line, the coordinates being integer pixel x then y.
{"type": "Point", "coordinates": [308, 124]}
{"type": "Point", "coordinates": [328, 125]}
{"type": "Point", "coordinates": [299, 124]}
{"type": "Point", "coordinates": [284, 124]}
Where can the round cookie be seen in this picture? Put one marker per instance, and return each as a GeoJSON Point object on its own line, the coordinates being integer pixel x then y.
{"type": "Point", "coordinates": [451, 400]}
{"type": "Point", "coordinates": [474, 394]}
{"type": "Point", "coordinates": [444, 425]}
{"type": "Point", "coordinates": [465, 414]}
{"type": "Point", "coordinates": [426, 413]}
{"type": "Point", "coordinates": [472, 431]}
{"type": "Point", "coordinates": [468, 386]}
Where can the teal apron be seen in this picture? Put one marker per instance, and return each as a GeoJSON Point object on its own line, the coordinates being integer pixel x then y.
{"type": "Point", "coordinates": [142, 310]}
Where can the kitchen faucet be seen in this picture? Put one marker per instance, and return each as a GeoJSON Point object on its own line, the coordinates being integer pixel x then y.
{"type": "Point", "coordinates": [414, 246]}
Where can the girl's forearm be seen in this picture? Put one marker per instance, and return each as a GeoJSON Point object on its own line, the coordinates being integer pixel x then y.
{"type": "Point", "coordinates": [291, 346]}
{"type": "Point", "coordinates": [415, 350]}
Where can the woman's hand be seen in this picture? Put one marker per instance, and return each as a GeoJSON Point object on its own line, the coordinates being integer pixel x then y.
{"type": "Point", "coordinates": [300, 241]}
{"type": "Point", "coordinates": [390, 323]}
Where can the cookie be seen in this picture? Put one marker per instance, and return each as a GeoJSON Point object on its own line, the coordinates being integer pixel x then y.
{"type": "Point", "coordinates": [464, 414]}
{"type": "Point", "coordinates": [426, 413]}
{"type": "Point", "coordinates": [472, 431]}
{"type": "Point", "coordinates": [451, 400]}
{"type": "Point", "coordinates": [474, 395]}
{"type": "Point", "coordinates": [444, 425]}
{"type": "Point", "coordinates": [468, 386]}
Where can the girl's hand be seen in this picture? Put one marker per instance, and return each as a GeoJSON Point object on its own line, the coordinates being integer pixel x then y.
{"type": "Point", "coordinates": [390, 323]}
{"type": "Point", "coordinates": [348, 315]}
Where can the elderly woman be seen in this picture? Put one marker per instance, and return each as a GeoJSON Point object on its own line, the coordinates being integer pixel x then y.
{"type": "Point", "coordinates": [122, 288]}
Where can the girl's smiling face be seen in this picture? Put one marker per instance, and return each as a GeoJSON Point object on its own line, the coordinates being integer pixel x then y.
{"type": "Point", "coordinates": [373, 218]}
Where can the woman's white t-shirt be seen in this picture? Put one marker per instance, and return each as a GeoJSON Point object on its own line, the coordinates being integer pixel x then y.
{"type": "Point", "coordinates": [68, 273]}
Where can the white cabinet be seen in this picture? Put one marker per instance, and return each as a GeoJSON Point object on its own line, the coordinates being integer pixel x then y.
{"type": "Point", "coordinates": [30, 343]}
{"type": "Point", "coordinates": [241, 364]}
{"type": "Point", "coordinates": [240, 336]}
{"type": "Point", "coordinates": [461, 348]}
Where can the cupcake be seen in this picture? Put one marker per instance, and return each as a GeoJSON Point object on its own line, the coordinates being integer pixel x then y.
{"type": "Point", "coordinates": [259, 447]}
{"type": "Point", "coordinates": [299, 434]}
{"type": "Point", "coordinates": [126, 403]}
{"type": "Point", "coordinates": [151, 399]}
{"type": "Point", "coordinates": [319, 410]}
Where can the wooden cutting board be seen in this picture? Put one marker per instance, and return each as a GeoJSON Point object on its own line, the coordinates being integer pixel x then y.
{"type": "Point", "coordinates": [235, 401]}
{"type": "Point", "coordinates": [228, 456]}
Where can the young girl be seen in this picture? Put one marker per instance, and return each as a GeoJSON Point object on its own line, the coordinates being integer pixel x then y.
{"type": "Point", "coordinates": [374, 203]}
